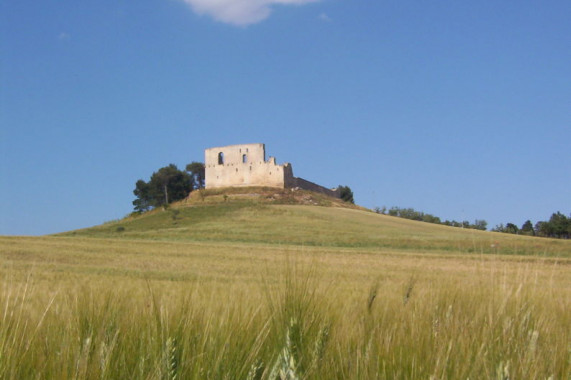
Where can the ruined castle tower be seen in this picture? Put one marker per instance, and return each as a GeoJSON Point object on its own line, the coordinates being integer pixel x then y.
{"type": "Point", "coordinates": [246, 165]}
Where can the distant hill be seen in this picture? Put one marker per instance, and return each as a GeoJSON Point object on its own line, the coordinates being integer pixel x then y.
{"type": "Point", "coordinates": [298, 217]}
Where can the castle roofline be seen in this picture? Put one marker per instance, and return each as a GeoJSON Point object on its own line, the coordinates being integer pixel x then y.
{"type": "Point", "coordinates": [235, 145]}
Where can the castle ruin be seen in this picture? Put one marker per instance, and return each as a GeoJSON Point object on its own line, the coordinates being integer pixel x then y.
{"type": "Point", "coordinates": [246, 165]}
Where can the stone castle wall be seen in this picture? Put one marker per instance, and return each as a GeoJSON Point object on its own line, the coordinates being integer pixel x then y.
{"type": "Point", "coordinates": [246, 165]}
{"type": "Point", "coordinates": [243, 165]}
{"type": "Point", "coordinates": [307, 185]}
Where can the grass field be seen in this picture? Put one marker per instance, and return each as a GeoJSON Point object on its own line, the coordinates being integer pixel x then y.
{"type": "Point", "coordinates": [243, 287]}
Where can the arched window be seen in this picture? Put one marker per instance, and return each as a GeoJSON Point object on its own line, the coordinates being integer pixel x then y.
{"type": "Point", "coordinates": [244, 159]}
{"type": "Point", "coordinates": [220, 158]}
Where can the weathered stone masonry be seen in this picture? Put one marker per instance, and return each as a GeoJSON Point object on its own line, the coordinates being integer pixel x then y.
{"type": "Point", "coordinates": [246, 165]}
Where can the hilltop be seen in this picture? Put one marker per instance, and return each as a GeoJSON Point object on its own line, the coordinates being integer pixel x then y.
{"type": "Point", "coordinates": [303, 218]}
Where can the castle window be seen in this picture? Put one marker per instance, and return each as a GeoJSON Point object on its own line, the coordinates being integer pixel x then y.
{"type": "Point", "coordinates": [244, 159]}
{"type": "Point", "coordinates": [220, 158]}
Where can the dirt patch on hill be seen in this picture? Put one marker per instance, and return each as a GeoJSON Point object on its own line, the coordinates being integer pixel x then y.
{"type": "Point", "coordinates": [266, 195]}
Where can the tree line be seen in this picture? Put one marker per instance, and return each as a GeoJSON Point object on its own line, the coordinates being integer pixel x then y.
{"type": "Point", "coordinates": [558, 226]}
{"type": "Point", "coordinates": [412, 214]}
{"type": "Point", "coordinates": [167, 185]}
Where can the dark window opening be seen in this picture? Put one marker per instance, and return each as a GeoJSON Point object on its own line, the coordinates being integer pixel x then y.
{"type": "Point", "coordinates": [220, 158]}
{"type": "Point", "coordinates": [244, 159]}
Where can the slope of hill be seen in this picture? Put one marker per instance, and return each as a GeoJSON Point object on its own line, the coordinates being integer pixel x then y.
{"type": "Point", "coordinates": [285, 217]}
{"type": "Point", "coordinates": [258, 282]}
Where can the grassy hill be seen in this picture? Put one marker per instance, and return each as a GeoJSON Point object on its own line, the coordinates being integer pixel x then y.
{"type": "Point", "coordinates": [302, 218]}
{"type": "Point", "coordinates": [279, 284]}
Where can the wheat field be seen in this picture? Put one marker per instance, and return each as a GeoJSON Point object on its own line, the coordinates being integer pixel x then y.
{"type": "Point", "coordinates": [292, 297]}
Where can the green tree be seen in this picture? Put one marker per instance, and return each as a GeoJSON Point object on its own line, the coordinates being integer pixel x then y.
{"type": "Point", "coordinates": [428, 218]}
{"type": "Point", "coordinates": [560, 225]}
{"type": "Point", "coordinates": [346, 194]}
{"type": "Point", "coordinates": [511, 228]}
{"type": "Point", "coordinates": [197, 171]}
{"type": "Point", "coordinates": [168, 184]}
{"type": "Point", "coordinates": [143, 200]}
{"type": "Point", "coordinates": [174, 184]}
{"type": "Point", "coordinates": [543, 228]}
{"type": "Point", "coordinates": [527, 228]}
{"type": "Point", "coordinates": [480, 224]}
{"type": "Point", "coordinates": [499, 228]}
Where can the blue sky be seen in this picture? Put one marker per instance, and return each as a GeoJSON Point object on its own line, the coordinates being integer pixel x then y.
{"type": "Point", "coordinates": [459, 109]}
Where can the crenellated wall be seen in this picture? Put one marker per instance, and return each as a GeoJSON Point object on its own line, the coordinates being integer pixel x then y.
{"type": "Point", "coordinates": [246, 165]}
